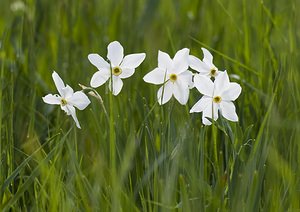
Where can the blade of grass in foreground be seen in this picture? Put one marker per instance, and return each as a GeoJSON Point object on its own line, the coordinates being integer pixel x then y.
{"type": "Point", "coordinates": [33, 174]}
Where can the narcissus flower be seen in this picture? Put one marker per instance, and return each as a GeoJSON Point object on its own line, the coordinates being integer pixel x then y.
{"type": "Point", "coordinates": [174, 75]}
{"type": "Point", "coordinates": [217, 96]}
{"type": "Point", "coordinates": [206, 66]}
{"type": "Point", "coordinates": [67, 99]}
{"type": "Point", "coordinates": [119, 67]}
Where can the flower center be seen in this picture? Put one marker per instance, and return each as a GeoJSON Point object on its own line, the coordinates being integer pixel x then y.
{"type": "Point", "coordinates": [213, 72]}
{"type": "Point", "coordinates": [217, 99]}
{"type": "Point", "coordinates": [173, 77]}
{"type": "Point", "coordinates": [116, 71]}
{"type": "Point", "coordinates": [63, 102]}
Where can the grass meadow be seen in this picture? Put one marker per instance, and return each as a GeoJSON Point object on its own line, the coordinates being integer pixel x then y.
{"type": "Point", "coordinates": [147, 157]}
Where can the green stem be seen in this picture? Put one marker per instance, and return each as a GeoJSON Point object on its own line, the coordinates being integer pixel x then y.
{"type": "Point", "coordinates": [215, 149]}
{"type": "Point", "coordinates": [170, 108]}
{"type": "Point", "coordinates": [215, 143]}
{"type": "Point", "coordinates": [112, 143]}
{"type": "Point", "coordinates": [112, 135]}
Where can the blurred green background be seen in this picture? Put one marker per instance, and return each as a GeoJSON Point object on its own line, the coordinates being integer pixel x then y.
{"type": "Point", "coordinates": [164, 156]}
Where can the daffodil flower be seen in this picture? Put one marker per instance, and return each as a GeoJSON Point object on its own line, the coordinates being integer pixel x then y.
{"type": "Point", "coordinates": [205, 67]}
{"type": "Point", "coordinates": [217, 95]}
{"type": "Point", "coordinates": [67, 99]}
{"type": "Point", "coordinates": [174, 75]}
{"type": "Point", "coordinates": [118, 68]}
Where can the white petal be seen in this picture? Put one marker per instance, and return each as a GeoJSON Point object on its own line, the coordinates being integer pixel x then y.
{"type": "Point", "coordinates": [157, 76]}
{"type": "Point", "coordinates": [67, 92]}
{"type": "Point", "coordinates": [221, 83]}
{"type": "Point", "coordinates": [196, 64]}
{"type": "Point", "coordinates": [115, 53]}
{"type": "Point", "coordinates": [133, 60]}
{"type": "Point", "coordinates": [117, 85]}
{"type": "Point", "coordinates": [181, 91]}
{"type": "Point", "coordinates": [181, 61]}
{"type": "Point", "coordinates": [208, 58]}
{"type": "Point", "coordinates": [52, 99]}
{"type": "Point", "coordinates": [164, 60]}
{"type": "Point", "coordinates": [126, 72]}
{"type": "Point", "coordinates": [58, 82]}
{"type": "Point", "coordinates": [203, 103]}
{"type": "Point", "coordinates": [205, 121]}
{"type": "Point", "coordinates": [72, 112]}
{"type": "Point", "coordinates": [207, 112]}
{"type": "Point", "coordinates": [164, 93]}
{"type": "Point", "coordinates": [232, 92]}
{"type": "Point", "coordinates": [187, 78]}
{"type": "Point", "coordinates": [79, 100]}
{"type": "Point", "coordinates": [216, 108]}
{"type": "Point", "coordinates": [65, 108]}
{"type": "Point", "coordinates": [228, 111]}
{"type": "Point", "coordinates": [204, 85]}
{"type": "Point", "coordinates": [99, 62]}
{"type": "Point", "coordinates": [99, 78]}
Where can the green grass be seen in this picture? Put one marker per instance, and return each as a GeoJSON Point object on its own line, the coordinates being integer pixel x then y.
{"type": "Point", "coordinates": [148, 157]}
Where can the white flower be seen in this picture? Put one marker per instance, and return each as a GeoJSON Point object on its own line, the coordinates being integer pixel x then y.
{"type": "Point", "coordinates": [67, 99]}
{"type": "Point", "coordinates": [205, 67]}
{"type": "Point", "coordinates": [174, 75]}
{"type": "Point", "coordinates": [217, 95]}
{"type": "Point", "coordinates": [119, 68]}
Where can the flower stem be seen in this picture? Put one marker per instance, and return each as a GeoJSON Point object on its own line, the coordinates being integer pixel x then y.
{"type": "Point", "coordinates": [112, 143]}
{"type": "Point", "coordinates": [215, 149]}
{"type": "Point", "coordinates": [215, 143]}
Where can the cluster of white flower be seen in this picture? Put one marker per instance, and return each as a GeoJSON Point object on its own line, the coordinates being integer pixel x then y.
{"type": "Point", "coordinates": [174, 75]}
{"type": "Point", "coordinates": [177, 80]}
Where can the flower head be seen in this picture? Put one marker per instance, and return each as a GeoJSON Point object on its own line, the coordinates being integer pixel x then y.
{"type": "Point", "coordinates": [217, 95]}
{"type": "Point", "coordinates": [174, 75]}
{"type": "Point", "coordinates": [67, 99]}
{"type": "Point", "coordinates": [118, 68]}
{"type": "Point", "coordinates": [206, 66]}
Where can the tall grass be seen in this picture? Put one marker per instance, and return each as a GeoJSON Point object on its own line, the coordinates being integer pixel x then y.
{"type": "Point", "coordinates": [148, 157]}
